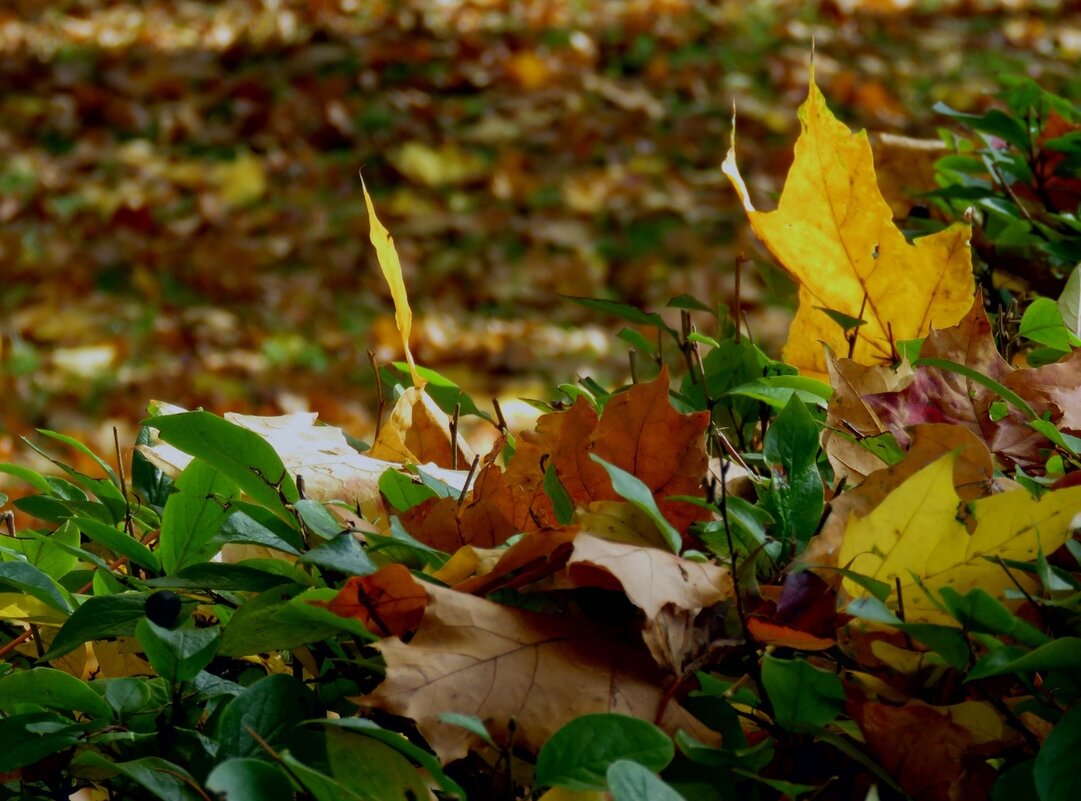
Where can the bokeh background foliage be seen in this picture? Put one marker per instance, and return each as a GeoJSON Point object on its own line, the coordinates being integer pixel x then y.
{"type": "Point", "coordinates": [181, 216]}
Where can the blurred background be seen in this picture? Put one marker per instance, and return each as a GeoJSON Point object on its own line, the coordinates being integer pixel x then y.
{"type": "Point", "coordinates": [181, 215]}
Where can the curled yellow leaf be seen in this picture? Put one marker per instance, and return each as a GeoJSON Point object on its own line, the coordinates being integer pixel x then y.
{"type": "Point", "coordinates": [387, 255]}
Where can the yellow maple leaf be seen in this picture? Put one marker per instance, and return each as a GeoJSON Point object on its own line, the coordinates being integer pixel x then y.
{"type": "Point", "coordinates": [387, 255]}
{"type": "Point", "coordinates": [834, 232]}
{"type": "Point", "coordinates": [919, 532]}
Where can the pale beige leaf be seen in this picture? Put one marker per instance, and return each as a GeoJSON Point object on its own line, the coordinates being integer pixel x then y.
{"type": "Point", "coordinates": [476, 657]}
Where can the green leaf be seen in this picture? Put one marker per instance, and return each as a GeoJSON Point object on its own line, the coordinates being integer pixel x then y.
{"type": "Point", "coordinates": [177, 654]}
{"type": "Point", "coordinates": [630, 781]}
{"type": "Point", "coordinates": [99, 617]}
{"type": "Point", "coordinates": [268, 623]}
{"type": "Point", "coordinates": [1015, 783]}
{"type": "Point", "coordinates": [119, 542]}
{"type": "Point", "coordinates": [242, 455]}
{"type": "Point", "coordinates": [1061, 654]}
{"type": "Point", "coordinates": [402, 491]}
{"type": "Point", "coordinates": [846, 321]}
{"type": "Point", "coordinates": [31, 477]}
{"type": "Point", "coordinates": [239, 577]}
{"type": "Point", "coordinates": [631, 488]}
{"type": "Point", "coordinates": [343, 554]}
{"type": "Point", "coordinates": [884, 446]}
{"type": "Point", "coordinates": [250, 524]}
{"type": "Point", "coordinates": [400, 744]}
{"type": "Point", "coordinates": [623, 311]}
{"type": "Point", "coordinates": [244, 779]}
{"type": "Point", "coordinates": [1007, 395]}
{"type": "Point", "coordinates": [978, 610]}
{"type": "Point", "coordinates": [1042, 322]}
{"type": "Point", "coordinates": [52, 689]}
{"type": "Point", "coordinates": [163, 779]}
{"type": "Point", "coordinates": [23, 577]}
{"type": "Point", "coordinates": [948, 641]}
{"type": "Point", "coordinates": [29, 738]}
{"type": "Point", "coordinates": [778, 390]}
{"type": "Point", "coordinates": [193, 515]}
{"type": "Point", "coordinates": [578, 755]}
{"type": "Point", "coordinates": [319, 786]}
{"type": "Point", "coordinates": [47, 553]}
{"type": "Point", "coordinates": [470, 723]}
{"type": "Point", "coordinates": [127, 696]}
{"type": "Point", "coordinates": [803, 697]}
{"type": "Point", "coordinates": [266, 710]}
{"type": "Point", "coordinates": [1055, 771]}
{"type": "Point", "coordinates": [1069, 303]}
{"type": "Point", "coordinates": [105, 490]}
{"type": "Point", "coordinates": [686, 301]}
{"type": "Point", "coordinates": [438, 486]}
{"type": "Point", "coordinates": [796, 497]}
{"type": "Point", "coordinates": [71, 442]}
{"type": "Point", "coordinates": [636, 341]}
{"type": "Point", "coordinates": [372, 769]}
{"type": "Point", "coordinates": [561, 500]}
{"type": "Point", "coordinates": [994, 122]}
{"type": "Point", "coordinates": [318, 519]}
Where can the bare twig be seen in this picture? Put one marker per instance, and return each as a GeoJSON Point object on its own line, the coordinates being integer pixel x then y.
{"type": "Point", "coordinates": [454, 436]}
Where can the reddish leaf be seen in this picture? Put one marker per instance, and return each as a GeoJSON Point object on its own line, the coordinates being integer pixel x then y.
{"type": "Point", "coordinates": [387, 602]}
{"type": "Point", "coordinates": [769, 633]}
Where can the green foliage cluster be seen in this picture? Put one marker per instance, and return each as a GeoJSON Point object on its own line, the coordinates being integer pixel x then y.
{"type": "Point", "coordinates": [228, 712]}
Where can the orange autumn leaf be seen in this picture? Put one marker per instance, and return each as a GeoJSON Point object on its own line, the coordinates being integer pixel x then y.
{"type": "Point", "coordinates": [768, 633]}
{"type": "Point", "coordinates": [534, 556]}
{"type": "Point", "coordinates": [641, 433]}
{"type": "Point", "coordinates": [388, 602]}
{"type": "Point", "coordinates": [834, 232]}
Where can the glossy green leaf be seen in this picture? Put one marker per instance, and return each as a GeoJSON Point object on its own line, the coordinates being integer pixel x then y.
{"type": "Point", "coordinates": [578, 755]}
{"type": "Point", "coordinates": [631, 781]}
{"type": "Point", "coordinates": [246, 779]}
{"type": "Point", "coordinates": [23, 577]}
{"type": "Point", "coordinates": [1055, 771]}
{"type": "Point", "coordinates": [242, 455]}
{"type": "Point", "coordinates": [268, 623]}
{"type": "Point", "coordinates": [632, 489]}
{"type": "Point", "coordinates": [1061, 654]}
{"type": "Point", "coordinates": [99, 617]}
{"type": "Point", "coordinates": [177, 654]}
{"type": "Point", "coordinates": [318, 519]}
{"type": "Point", "coordinates": [470, 723]}
{"type": "Point", "coordinates": [52, 689]}
{"type": "Point", "coordinates": [803, 696]}
{"type": "Point", "coordinates": [403, 746]}
{"type": "Point", "coordinates": [119, 542]}
{"type": "Point", "coordinates": [162, 779]}
{"type": "Point", "coordinates": [343, 554]}
{"type": "Point", "coordinates": [193, 515]}
{"type": "Point", "coordinates": [402, 491]}
{"type": "Point", "coordinates": [562, 503]}
{"type": "Point", "coordinates": [372, 769]}
{"type": "Point", "coordinates": [267, 711]}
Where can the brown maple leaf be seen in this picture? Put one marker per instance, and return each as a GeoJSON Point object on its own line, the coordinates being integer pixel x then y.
{"type": "Point", "coordinates": [501, 664]}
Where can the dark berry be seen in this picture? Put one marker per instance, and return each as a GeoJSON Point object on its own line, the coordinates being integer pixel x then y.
{"type": "Point", "coordinates": [163, 608]}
